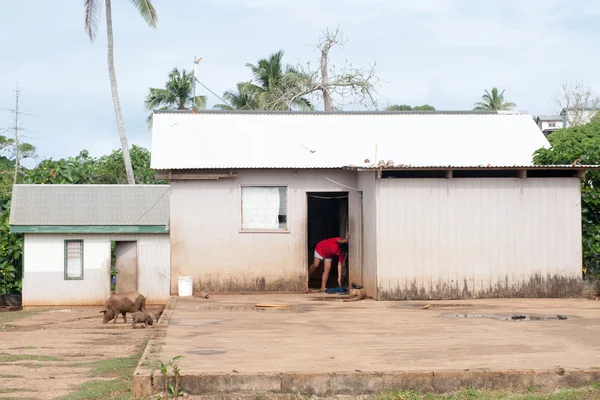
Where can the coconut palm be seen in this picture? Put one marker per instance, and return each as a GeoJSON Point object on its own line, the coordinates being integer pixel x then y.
{"type": "Point", "coordinates": [92, 15]}
{"type": "Point", "coordinates": [245, 98]}
{"type": "Point", "coordinates": [493, 102]}
{"type": "Point", "coordinates": [275, 87]}
{"type": "Point", "coordinates": [178, 94]}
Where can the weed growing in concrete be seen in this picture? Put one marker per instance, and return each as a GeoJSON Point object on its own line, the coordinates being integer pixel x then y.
{"type": "Point", "coordinates": [171, 388]}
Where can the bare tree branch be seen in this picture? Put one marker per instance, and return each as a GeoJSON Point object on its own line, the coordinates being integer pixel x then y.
{"type": "Point", "coordinates": [348, 81]}
{"type": "Point", "coordinates": [577, 103]}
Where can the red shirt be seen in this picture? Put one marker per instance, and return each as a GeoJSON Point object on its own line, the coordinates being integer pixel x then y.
{"type": "Point", "coordinates": [329, 247]}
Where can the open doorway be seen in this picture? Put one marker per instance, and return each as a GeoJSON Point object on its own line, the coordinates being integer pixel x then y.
{"type": "Point", "coordinates": [327, 217]}
{"type": "Point", "coordinates": [124, 266]}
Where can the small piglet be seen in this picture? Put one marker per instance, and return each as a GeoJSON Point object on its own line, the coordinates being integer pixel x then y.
{"type": "Point", "coordinates": [140, 317]}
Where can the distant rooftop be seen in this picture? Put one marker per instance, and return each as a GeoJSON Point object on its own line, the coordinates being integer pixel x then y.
{"type": "Point", "coordinates": [549, 117]}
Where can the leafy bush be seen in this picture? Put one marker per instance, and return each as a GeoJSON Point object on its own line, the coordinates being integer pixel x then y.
{"type": "Point", "coordinates": [581, 143]}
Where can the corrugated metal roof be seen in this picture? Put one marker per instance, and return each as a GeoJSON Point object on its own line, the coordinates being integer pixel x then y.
{"type": "Point", "coordinates": [549, 117]}
{"type": "Point", "coordinates": [475, 167]}
{"type": "Point", "coordinates": [90, 205]}
{"type": "Point", "coordinates": [214, 140]}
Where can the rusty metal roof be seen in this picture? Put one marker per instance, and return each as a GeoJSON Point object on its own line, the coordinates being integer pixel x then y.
{"type": "Point", "coordinates": [90, 205]}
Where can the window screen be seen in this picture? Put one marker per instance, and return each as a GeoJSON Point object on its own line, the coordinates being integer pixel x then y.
{"type": "Point", "coordinates": [264, 207]}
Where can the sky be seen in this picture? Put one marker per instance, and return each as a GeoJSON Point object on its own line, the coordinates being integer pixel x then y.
{"type": "Point", "coordinates": [440, 52]}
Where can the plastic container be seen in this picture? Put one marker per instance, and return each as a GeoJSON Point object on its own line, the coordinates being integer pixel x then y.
{"type": "Point", "coordinates": [185, 286]}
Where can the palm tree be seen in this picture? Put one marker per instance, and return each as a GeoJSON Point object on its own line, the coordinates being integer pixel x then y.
{"type": "Point", "coordinates": [178, 94]}
{"type": "Point", "coordinates": [276, 88]}
{"type": "Point", "coordinates": [245, 98]}
{"type": "Point", "coordinates": [493, 102]}
{"type": "Point", "coordinates": [92, 15]}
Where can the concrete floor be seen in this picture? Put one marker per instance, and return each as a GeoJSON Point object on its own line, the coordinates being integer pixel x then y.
{"type": "Point", "coordinates": [225, 334]}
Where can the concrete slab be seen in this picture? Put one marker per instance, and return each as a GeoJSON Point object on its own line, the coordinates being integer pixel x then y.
{"type": "Point", "coordinates": [321, 345]}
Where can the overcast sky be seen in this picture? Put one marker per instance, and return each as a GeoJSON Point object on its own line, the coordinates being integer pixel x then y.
{"type": "Point", "coordinates": [440, 52]}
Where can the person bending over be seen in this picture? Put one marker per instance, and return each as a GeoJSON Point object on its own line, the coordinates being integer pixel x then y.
{"type": "Point", "coordinates": [325, 250]}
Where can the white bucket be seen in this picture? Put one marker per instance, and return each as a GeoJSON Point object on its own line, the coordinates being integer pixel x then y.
{"type": "Point", "coordinates": [185, 286]}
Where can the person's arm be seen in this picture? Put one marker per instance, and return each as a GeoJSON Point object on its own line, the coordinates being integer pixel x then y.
{"type": "Point", "coordinates": [340, 263]}
{"type": "Point", "coordinates": [344, 240]}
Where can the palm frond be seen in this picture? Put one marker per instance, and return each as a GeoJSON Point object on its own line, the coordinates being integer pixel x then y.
{"type": "Point", "coordinates": [223, 107]}
{"type": "Point", "coordinates": [147, 11]}
{"type": "Point", "coordinates": [199, 102]}
{"type": "Point", "coordinates": [93, 11]}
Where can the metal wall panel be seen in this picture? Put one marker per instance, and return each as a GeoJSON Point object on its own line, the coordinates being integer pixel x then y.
{"type": "Point", "coordinates": [472, 238]}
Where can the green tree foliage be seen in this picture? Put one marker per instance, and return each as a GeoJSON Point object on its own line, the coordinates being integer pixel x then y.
{"type": "Point", "coordinates": [11, 245]}
{"type": "Point", "coordinates": [275, 87]}
{"type": "Point", "coordinates": [178, 94]}
{"type": "Point", "coordinates": [493, 101]}
{"type": "Point", "coordinates": [84, 169]}
{"type": "Point", "coordinates": [110, 168]}
{"type": "Point", "coordinates": [11, 255]}
{"type": "Point", "coordinates": [406, 107]}
{"type": "Point", "coordinates": [581, 143]}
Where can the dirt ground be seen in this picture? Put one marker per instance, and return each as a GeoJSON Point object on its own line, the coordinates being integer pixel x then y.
{"type": "Point", "coordinates": [52, 353]}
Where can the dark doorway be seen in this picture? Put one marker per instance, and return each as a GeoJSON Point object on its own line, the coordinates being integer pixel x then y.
{"type": "Point", "coordinates": [327, 218]}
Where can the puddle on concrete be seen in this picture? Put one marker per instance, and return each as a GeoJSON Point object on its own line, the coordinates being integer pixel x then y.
{"type": "Point", "coordinates": [195, 321]}
{"type": "Point", "coordinates": [516, 317]}
{"type": "Point", "coordinates": [433, 305]}
{"type": "Point", "coordinates": [329, 298]}
{"type": "Point", "coordinates": [293, 308]}
{"type": "Point", "coordinates": [205, 352]}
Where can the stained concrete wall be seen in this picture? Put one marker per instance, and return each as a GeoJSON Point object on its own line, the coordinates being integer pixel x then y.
{"type": "Point", "coordinates": [208, 244]}
{"type": "Point", "coordinates": [367, 183]}
{"type": "Point", "coordinates": [44, 281]}
{"type": "Point", "coordinates": [472, 238]}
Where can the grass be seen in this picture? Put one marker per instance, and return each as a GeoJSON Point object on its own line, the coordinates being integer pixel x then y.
{"type": "Point", "coordinates": [7, 376]}
{"type": "Point", "coordinates": [115, 367]}
{"type": "Point", "coordinates": [12, 316]}
{"type": "Point", "coordinates": [588, 393]}
{"type": "Point", "coordinates": [117, 389]}
{"type": "Point", "coordinates": [26, 357]}
{"type": "Point", "coordinates": [14, 390]}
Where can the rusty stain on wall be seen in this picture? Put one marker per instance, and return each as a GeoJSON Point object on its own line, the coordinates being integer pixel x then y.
{"type": "Point", "coordinates": [538, 285]}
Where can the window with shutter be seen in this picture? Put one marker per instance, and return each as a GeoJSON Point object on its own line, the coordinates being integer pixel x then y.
{"type": "Point", "coordinates": [74, 259]}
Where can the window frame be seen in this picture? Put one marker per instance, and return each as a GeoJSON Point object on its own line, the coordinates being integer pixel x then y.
{"type": "Point", "coordinates": [287, 209]}
{"type": "Point", "coordinates": [68, 278]}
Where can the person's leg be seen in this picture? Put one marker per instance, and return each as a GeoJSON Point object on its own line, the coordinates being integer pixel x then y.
{"type": "Point", "coordinates": [312, 268]}
{"type": "Point", "coordinates": [326, 269]}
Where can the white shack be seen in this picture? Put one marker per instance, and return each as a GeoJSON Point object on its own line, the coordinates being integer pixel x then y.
{"type": "Point", "coordinates": [439, 205]}
{"type": "Point", "coordinates": [71, 232]}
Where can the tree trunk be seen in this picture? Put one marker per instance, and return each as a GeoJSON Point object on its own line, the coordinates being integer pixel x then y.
{"type": "Point", "coordinates": [325, 79]}
{"type": "Point", "coordinates": [115, 96]}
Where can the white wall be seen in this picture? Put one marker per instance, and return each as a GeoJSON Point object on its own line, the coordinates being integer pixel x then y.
{"type": "Point", "coordinates": [465, 238]}
{"type": "Point", "coordinates": [585, 116]}
{"type": "Point", "coordinates": [207, 244]}
{"type": "Point", "coordinates": [368, 185]}
{"type": "Point", "coordinates": [43, 275]}
{"type": "Point", "coordinates": [544, 125]}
